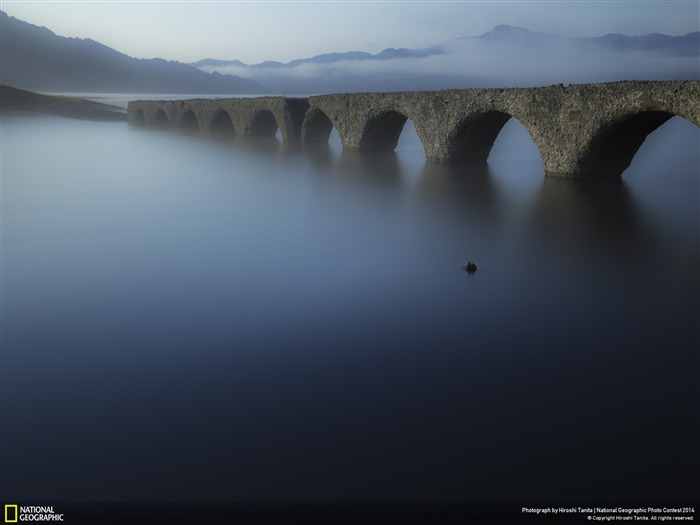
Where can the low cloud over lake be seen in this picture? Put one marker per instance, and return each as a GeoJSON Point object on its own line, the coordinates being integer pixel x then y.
{"type": "Point", "coordinates": [506, 56]}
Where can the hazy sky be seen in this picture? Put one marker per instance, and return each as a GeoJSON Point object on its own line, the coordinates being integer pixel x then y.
{"type": "Point", "coordinates": [254, 31]}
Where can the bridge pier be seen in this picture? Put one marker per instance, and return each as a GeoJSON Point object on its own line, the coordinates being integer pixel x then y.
{"type": "Point", "coordinates": [581, 131]}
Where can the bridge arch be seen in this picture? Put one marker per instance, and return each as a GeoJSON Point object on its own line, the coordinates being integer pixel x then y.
{"type": "Point", "coordinates": [190, 122]}
{"type": "Point", "coordinates": [474, 137]}
{"type": "Point", "coordinates": [317, 126]}
{"type": "Point", "coordinates": [222, 123]}
{"type": "Point", "coordinates": [139, 118]}
{"type": "Point", "coordinates": [382, 132]}
{"type": "Point", "coordinates": [263, 124]}
{"type": "Point", "coordinates": [615, 143]}
{"type": "Point", "coordinates": [160, 119]}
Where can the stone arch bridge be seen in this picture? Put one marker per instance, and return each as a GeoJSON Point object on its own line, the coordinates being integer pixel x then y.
{"type": "Point", "coordinates": [586, 130]}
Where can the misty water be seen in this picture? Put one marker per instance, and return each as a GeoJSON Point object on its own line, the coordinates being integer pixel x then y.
{"type": "Point", "coordinates": [185, 318]}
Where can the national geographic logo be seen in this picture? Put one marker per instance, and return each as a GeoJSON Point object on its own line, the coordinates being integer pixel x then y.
{"type": "Point", "coordinates": [10, 513]}
{"type": "Point", "coordinates": [23, 514]}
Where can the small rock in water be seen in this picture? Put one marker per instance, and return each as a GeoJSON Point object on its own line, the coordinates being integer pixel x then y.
{"type": "Point", "coordinates": [470, 267]}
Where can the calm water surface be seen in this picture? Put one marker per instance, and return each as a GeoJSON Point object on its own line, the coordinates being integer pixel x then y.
{"type": "Point", "coordinates": [188, 318]}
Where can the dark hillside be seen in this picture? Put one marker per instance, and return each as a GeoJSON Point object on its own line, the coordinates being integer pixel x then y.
{"type": "Point", "coordinates": [35, 58]}
{"type": "Point", "coordinates": [20, 101]}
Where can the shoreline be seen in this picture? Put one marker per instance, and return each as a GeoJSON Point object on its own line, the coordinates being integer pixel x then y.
{"type": "Point", "coordinates": [18, 101]}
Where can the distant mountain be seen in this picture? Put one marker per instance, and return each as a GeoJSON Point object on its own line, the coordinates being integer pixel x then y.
{"type": "Point", "coordinates": [37, 59]}
{"type": "Point", "coordinates": [678, 46]}
{"type": "Point", "coordinates": [504, 56]}
{"type": "Point", "coordinates": [657, 43]}
{"type": "Point", "coordinates": [329, 58]}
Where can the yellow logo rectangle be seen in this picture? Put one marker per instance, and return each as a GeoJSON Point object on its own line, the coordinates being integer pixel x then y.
{"type": "Point", "coordinates": [10, 513]}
